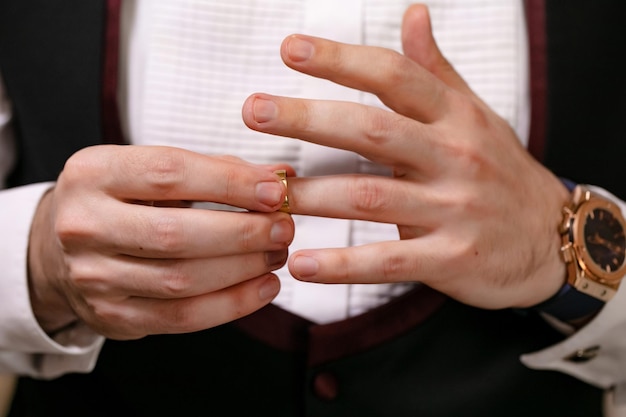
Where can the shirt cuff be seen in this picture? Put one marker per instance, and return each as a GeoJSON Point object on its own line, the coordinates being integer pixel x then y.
{"type": "Point", "coordinates": [25, 348]}
{"type": "Point", "coordinates": [596, 353]}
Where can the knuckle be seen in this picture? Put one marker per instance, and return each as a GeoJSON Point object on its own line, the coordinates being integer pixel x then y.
{"type": "Point", "coordinates": [71, 226]}
{"type": "Point", "coordinates": [461, 255]}
{"type": "Point", "coordinates": [247, 235]}
{"type": "Point", "coordinates": [379, 125]}
{"type": "Point", "coordinates": [396, 267]}
{"type": "Point", "coordinates": [476, 113]}
{"type": "Point", "coordinates": [176, 282]}
{"type": "Point", "coordinates": [466, 156]}
{"type": "Point", "coordinates": [302, 117]}
{"type": "Point", "coordinates": [169, 234]}
{"type": "Point", "coordinates": [79, 165]}
{"type": "Point", "coordinates": [342, 270]}
{"type": "Point", "coordinates": [179, 319]}
{"type": "Point", "coordinates": [367, 195]}
{"type": "Point", "coordinates": [231, 184]}
{"type": "Point", "coordinates": [85, 276]}
{"type": "Point", "coordinates": [164, 170]}
{"type": "Point", "coordinates": [107, 315]}
{"type": "Point", "coordinates": [113, 320]}
{"type": "Point", "coordinates": [462, 203]}
{"type": "Point", "coordinates": [65, 229]}
{"type": "Point", "coordinates": [335, 58]}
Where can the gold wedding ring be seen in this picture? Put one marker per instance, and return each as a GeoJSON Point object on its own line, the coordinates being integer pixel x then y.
{"type": "Point", "coordinates": [283, 178]}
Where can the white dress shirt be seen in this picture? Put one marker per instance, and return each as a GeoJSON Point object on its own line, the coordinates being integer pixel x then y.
{"type": "Point", "coordinates": [186, 68]}
{"type": "Point", "coordinates": [186, 80]}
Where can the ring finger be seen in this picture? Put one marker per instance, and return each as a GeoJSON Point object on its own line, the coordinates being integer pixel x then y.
{"type": "Point", "coordinates": [173, 278]}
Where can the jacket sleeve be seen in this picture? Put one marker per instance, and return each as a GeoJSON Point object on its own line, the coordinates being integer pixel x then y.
{"type": "Point", "coordinates": [25, 349]}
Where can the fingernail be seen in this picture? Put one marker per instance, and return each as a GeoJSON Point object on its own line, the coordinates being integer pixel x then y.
{"type": "Point", "coordinates": [276, 258]}
{"type": "Point", "coordinates": [281, 232]}
{"type": "Point", "coordinates": [298, 49]}
{"type": "Point", "coordinates": [270, 193]}
{"type": "Point", "coordinates": [305, 266]}
{"type": "Point", "coordinates": [263, 110]}
{"type": "Point", "coordinates": [269, 289]}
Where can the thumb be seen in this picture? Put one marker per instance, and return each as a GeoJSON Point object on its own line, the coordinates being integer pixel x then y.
{"type": "Point", "coordinates": [419, 45]}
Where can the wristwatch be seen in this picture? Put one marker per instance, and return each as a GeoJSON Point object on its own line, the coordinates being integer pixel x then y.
{"type": "Point", "coordinates": [594, 250]}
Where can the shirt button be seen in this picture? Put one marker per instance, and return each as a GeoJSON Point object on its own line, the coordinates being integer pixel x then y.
{"type": "Point", "coordinates": [325, 386]}
{"type": "Point", "coordinates": [583, 355]}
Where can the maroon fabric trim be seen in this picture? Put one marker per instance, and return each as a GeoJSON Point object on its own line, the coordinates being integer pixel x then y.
{"type": "Point", "coordinates": [323, 343]}
{"type": "Point", "coordinates": [536, 21]}
{"type": "Point", "coordinates": [277, 328]}
{"type": "Point", "coordinates": [111, 126]}
{"type": "Point", "coordinates": [348, 337]}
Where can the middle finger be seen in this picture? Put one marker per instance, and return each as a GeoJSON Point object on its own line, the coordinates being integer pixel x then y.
{"type": "Point", "coordinates": [399, 82]}
{"type": "Point", "coordinates": [165, 232]}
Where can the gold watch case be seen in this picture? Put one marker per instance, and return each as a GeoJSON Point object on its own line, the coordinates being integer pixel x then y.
{"type": "Point", "coordinates": [594, 244]}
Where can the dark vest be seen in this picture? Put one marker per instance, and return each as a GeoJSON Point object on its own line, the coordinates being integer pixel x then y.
{"type": "Point", "coordinates": [422, 354]}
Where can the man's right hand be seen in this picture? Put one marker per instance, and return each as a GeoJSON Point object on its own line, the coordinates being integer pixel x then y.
{"type": "Point", "coordinates": [117, 245]}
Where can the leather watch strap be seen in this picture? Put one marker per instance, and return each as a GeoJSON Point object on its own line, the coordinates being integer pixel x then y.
{"type": "Point", "coordinates": [570, 304]}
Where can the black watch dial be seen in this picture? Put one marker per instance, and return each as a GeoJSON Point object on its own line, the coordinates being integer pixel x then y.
{"type": "Point", "coordinates": [604, 240]}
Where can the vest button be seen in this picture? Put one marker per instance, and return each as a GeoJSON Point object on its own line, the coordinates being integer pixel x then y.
{"type": "Point", "coordinates": [325, 386]}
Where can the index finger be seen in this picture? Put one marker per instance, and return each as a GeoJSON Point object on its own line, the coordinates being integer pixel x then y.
{"type": "Point", "coordinates": [399, 82]}
{"type": "Point", "coordinates": [154, 173]}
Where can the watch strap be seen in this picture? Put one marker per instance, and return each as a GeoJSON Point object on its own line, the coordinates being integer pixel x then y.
{"type": "Point", "coordinates": [569, 304]}
{"type": "Point", "coordinates": [569, 184]}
